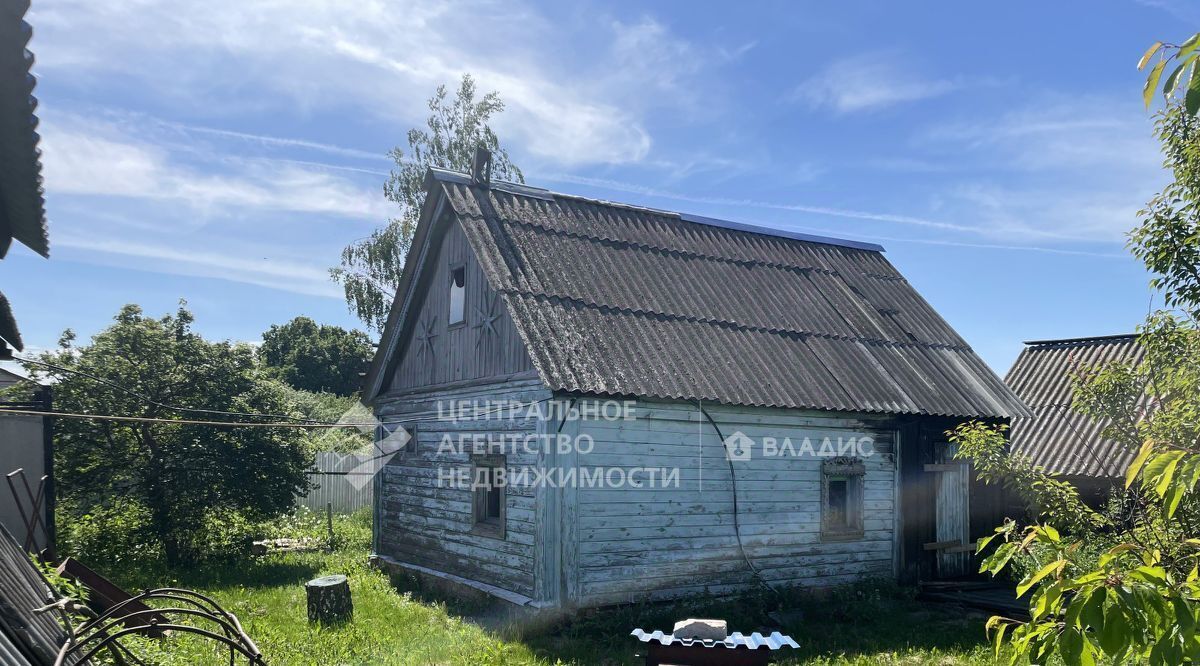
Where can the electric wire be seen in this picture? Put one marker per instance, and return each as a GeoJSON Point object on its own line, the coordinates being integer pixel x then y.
{"type": "Point", "coordinates": [156, 403]}
{"type": "Point", "coordinates": [737, 531]}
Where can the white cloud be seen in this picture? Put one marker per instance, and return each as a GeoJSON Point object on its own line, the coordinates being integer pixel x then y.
{"type": "Point", "coordinates": [224, 264]}
{"type": "Point", "coordinates": [87, 156]}
{"type": "Point", "coordinates": [1080, 167]}
{"type": "Point", "coordinates": [868, 82]}
{"type": "Point", "coordinates": [381, 58]}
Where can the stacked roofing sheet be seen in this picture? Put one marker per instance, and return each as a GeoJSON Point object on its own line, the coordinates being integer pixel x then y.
{"type": "Point", "coordinates": [25, 637]}
{"type": "Point", "coordinates": [736, 640]}
{"type": "Point", "coordinates": [22, 210]}
{"type": "Point", "coordinates": [1057, 438]}
{"type": "Point", "coordinates": [620, 300]}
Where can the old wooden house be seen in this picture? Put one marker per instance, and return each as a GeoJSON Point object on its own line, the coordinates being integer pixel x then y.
{"type": "Point", "coordinates": [728, 343]}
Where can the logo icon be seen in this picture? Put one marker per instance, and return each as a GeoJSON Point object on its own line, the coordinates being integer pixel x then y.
{"type": "Point", "coordinates": [738, 446]}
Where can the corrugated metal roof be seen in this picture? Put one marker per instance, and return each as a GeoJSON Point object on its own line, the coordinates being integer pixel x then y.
{"type": "Point", "coordinates": [754, 641]}
{"type": "Point", "coordinates": [1057, 438]}
{"type": "Point", "coordinates": [37, 637]}
{"type": "Point", "coordinates": [621, 300]}
{"type": "Point", "coordinates": [22, 209]}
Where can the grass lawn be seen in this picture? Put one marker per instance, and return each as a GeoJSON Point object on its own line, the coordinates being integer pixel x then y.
{"type": "Point", "coordinates": [858, 626]}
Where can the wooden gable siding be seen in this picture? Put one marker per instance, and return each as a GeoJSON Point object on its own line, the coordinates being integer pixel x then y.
{"type": "Point", "coordinates": [629, 544]}
{"type": "Point", "coordinates": [422, 520]}
{"type": "Point", "coordinates": [475, 349]}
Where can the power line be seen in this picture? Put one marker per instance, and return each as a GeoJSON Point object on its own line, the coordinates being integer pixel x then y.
{"type": "Point", "coordinates": [156, 403]}
{"type": "Point", "coordinates": [229, 424]}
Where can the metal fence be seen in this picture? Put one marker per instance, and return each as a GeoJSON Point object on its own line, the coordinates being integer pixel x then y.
{"type": "Point", "coordinates": [338, 483]}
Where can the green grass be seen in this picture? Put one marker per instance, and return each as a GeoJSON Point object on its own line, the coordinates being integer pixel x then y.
{"type": "Point", "coordinates": [863, 625]}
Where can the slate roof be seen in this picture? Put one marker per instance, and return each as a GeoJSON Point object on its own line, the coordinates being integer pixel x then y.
{"type": "Point", "coordinates": [1058, 438]}
{"type": "Point", "coordinates": [25, 637]}
{"type": "Point", "coordinates": [614, 299]}
{"type": "Point", "coordinates": [22, 208]}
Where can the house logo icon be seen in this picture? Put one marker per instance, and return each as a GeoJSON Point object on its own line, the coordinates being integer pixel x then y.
{"type": "Point", "coordinates": [738, 446]}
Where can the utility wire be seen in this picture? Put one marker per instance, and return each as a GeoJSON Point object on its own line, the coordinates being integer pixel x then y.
{"type": "Point", "coordinates": [148, 419]}
{"type": "Point", "coordinates": [156, 403]}
{"type": "Point", "coordinates": [737, 531]}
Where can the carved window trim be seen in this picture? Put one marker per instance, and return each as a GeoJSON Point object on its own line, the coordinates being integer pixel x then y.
{"type": "Point", "coordinates": [851, 472]}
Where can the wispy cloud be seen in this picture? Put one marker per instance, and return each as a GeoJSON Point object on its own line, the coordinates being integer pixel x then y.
{"type": "Point", "coordinates": [1079, 167]}
{"type": "Point", "coordinates": [371, 56]}
{"type": "Point", "coordinates": [868, 82]}
{"type": "Point", "coordinates": [230, 264]}
{"type": "Point", "coordinates": [85, 156]}
{"type": "Point", "coordinates": [828, 211]}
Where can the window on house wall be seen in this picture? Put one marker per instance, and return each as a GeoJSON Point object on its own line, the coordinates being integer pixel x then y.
{"type": "Point", "coordinates": [458, 295]}
{"type": "Point", "coordinates": [842, 499]}
{"type": "Point", "coordinates": [488, 477]}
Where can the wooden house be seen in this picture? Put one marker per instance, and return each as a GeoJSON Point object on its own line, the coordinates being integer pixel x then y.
{"type": "Point", "coordinates": [1058, 438]}
{"type": "Point", "coordinates": [720, 338]}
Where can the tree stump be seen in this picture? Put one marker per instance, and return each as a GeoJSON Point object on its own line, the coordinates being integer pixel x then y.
{"type": "Point", "coordinates": [329, 600]}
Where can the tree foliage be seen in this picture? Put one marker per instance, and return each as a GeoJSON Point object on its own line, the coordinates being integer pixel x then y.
{"type": "Point", "coordinates": [1129, 592]}
{"type": "Point", "coordinates": [371, 268]}
{"type": "Point", "coordinates": [161, 486]}
{"type": "Point", "coordinates": [316, 357]}
{"type": "Point", "coordinates": [1182, 84]}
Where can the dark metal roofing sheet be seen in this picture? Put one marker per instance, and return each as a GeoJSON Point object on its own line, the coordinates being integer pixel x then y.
{"type": "Point", "coordinates": [621, 300]}
{"type": "Point", "coordinates": [37, 637]}
{"type": "Point", "coordinates": [22, 209]}
{"type": "Point", "coordinates": [8, 325]}
{"type": "Point", "coordinates": [1058, 438]}
{"type": "Point", "coordinates": [736, 640]}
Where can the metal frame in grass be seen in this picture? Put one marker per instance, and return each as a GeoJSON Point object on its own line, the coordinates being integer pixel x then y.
{"type": "Point", "coordinates": [103, 632]}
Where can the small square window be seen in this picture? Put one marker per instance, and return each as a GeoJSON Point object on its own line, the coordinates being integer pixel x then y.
{"type": "Point", "coordinates": [489, 479]}
{"type": "Point", "coordinates": [458, 295]}
{"type": "Point", "coordinates": [842, 499]}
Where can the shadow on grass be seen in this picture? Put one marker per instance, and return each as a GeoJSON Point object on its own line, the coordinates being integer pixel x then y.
{"type": "Point", "coordinates": [853, 622]}
{"type": "Point", "coordinates": [266, 572]}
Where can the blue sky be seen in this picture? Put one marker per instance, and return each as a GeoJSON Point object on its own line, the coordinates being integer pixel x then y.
{"type": "Point", "coordinates": [225, 152]}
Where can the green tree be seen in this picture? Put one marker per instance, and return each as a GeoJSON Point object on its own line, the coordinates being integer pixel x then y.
{"type": "Point", "coordinates": [164, 483]}
{"type": "Point", "coordinates": [1129, 592]}
{"type": "Point", "coordinates": [1182, 83]}
{"type": "Point", "coordinates": [371, 268]}
{"type": "Point", "coordinates": [316, 357]}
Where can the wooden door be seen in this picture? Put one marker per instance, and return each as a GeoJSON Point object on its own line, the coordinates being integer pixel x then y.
{"type": "Point", "coordinates": [953, 511]}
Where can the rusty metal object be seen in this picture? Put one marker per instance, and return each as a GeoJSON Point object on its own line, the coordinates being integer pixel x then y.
{"type": "Point", "coordinates": [33, 520]}
{"type": "Point", "coordinates": [104, 631]}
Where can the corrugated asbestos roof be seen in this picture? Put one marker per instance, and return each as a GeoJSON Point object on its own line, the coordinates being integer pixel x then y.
{"type": "Point", "coordinates": [619, 300]}
{"type": "Point", "coordinates": [736, 640]}
{"type": "Point", "coordinates": [1057, 438]}
{"type": "Point", "coordinates": [34, 638]}
{"type": "Point", "coordinates": [22, 209]}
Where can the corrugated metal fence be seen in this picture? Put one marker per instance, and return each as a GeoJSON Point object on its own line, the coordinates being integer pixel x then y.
{"type": "Point", "coordinates": [338, 482]}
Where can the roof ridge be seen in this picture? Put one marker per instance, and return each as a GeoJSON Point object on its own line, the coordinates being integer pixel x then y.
{"type": "Point", "coordinates": [665, 249]}
{"type": "Point", "coordinates": [726, 323]}
{"type": "Point", "coordinates": [1083, 340]}
{"type": "Point", "coordinates": [521, 189]}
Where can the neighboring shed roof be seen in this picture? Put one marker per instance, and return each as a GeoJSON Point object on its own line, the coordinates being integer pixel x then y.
{"type": "Point", "coordinates": [614, 299]}
{"type": "Point", "coordinates": [1058, 438]}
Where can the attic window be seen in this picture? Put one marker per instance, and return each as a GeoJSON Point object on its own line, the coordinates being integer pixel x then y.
{"type": "Point", "coordinates": [458, 295]}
